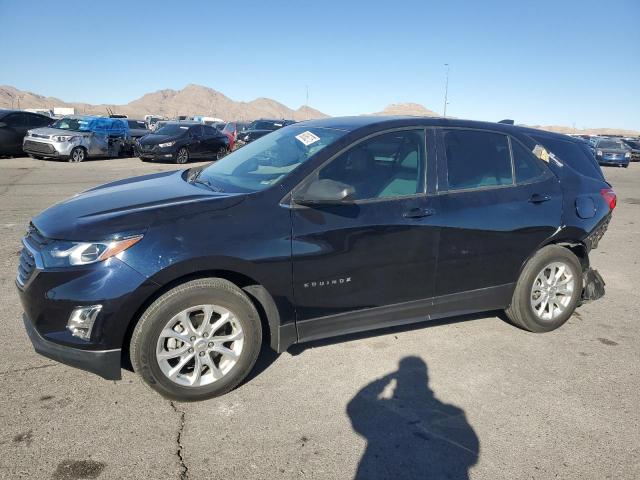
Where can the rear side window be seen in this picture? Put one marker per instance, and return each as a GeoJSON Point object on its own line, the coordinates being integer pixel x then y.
{"type": "Point", "coordinates": [575, 154]}
{"type": "Point", "coordinates": [37, 120]}
{"type": "Point", "coordinates": [526, 164]}
{"type": "Point", "coordinates": [477, 159]}
{"type": "Point", "coordinates": [210, 131]}
{"type": "Point", "coordinates": [14, 120]}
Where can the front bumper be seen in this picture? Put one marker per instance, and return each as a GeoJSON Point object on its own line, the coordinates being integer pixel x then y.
{"type": "Point", "coordinates": [156, 153]}
{"type": "Point", "coordinates": [613, 161]}
{"type": "Point", "coordinates": [48, 148]}
{"type": "Point", "coordinates": [105, 363]}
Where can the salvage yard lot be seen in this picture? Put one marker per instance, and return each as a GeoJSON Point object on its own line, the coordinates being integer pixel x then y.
{"type": "Point", "coordinates": [477, 398]}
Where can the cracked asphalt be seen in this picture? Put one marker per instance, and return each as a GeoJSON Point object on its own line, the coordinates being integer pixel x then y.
{"type": "Point", "coordinates": [470, 397]}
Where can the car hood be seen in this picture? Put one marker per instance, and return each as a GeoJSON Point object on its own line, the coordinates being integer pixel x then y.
{"type": "Point", "coordinates": [127, 206]}
{"type": "Point", "coordinates": [46, 132]}
{"type": "Point", "coordinates": [154, 139]}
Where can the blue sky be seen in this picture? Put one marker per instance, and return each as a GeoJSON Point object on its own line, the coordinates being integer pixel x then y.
{"type": "Point", "coordinates": [543, 62]}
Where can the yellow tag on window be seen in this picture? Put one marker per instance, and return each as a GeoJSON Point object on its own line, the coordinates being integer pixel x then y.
{"type": "Point", "coordinates": [541, 152]}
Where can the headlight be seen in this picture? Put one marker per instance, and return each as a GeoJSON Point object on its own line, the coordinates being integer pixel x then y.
{"type": "Point", "coordinates": [62, 138]}
{"type": "Point", "coordinates": [627, 155]}
{"type": "Point", "coordinates": [168, 144]}
{"type": "Point", "coordinates": [64, 254]}
{"type": "Point", "coordinates": [599, 153]}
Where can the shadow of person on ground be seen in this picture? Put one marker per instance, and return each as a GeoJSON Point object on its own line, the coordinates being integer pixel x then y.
{"type": "Point", "coordinates": [411, 434]}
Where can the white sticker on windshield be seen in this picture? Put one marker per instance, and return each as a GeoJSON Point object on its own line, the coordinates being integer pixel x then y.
{"type": "Point", "coordinates": [307, 138]}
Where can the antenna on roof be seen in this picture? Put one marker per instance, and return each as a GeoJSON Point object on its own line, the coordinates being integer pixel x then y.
{"type": "Point", "coordinates": [507, 121]}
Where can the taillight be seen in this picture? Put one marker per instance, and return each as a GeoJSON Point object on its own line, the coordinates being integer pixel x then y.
{"type": "Point", "coordinates": [610, 197]}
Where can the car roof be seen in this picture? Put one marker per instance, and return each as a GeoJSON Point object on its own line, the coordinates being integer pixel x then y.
{"type": "Point", "coordinates": [383, 122]}
{"type": "Point", "coordinates": [6, 111]}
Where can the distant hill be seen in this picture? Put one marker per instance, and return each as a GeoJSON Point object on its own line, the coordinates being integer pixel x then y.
{"type": "Point", "coordinates": [191, 100]}
{"type": "Point", "coordinates": [412, 109]}
{"type": "Point", "coordinates": [200, 100]}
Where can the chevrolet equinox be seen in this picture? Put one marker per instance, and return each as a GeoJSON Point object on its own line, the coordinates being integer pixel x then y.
{"type": "Point", "coordinates": [318, 229]}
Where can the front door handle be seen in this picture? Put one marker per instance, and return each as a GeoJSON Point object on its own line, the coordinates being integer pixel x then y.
{"type": "Point", "coordinates": [537, 198]}
{"type": "Point", "coordinates": [419, 213]}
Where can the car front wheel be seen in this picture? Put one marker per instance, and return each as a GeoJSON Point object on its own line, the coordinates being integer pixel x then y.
{"type": "Point", "coordinates": [182, 156]}
{"type": "Point", "coordinates": [78, 154]}
{"type": "Point", "coordinates": [222, 151]}
{"type": "Point", "coordinates": [197, 341]}
{"type": "Point", "coordinates": [548, 290]}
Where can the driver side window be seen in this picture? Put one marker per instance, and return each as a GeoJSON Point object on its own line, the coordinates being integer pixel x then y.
{"type": "Point", "coordinates": [385, 166]}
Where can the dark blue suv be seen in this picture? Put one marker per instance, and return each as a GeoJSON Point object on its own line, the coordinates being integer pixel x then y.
{"type": "Point", "coordinates": [320, 228]}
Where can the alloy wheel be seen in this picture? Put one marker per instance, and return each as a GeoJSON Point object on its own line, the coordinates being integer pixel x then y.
{"type": "Point", "coordinates": [221, 153]}
{"type": "Point", "coordinates": [552, 291]}
{"type": "Point", "coordinates": [183, 155]}
{"type": "Point", "coordinates": [199, 345]}
{"type": "Point", "coordinates": [77, 155]}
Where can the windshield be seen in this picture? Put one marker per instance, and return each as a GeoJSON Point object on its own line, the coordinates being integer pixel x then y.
{"type": "Point", "coordinates": [172, 129]}
{"type": "Point", "coordinates": [73, 124]}
{"type": "Point", "coordinates": [633, 144]}
{"type": "Point", "coordinates": [269, 159]}
{"type": "Point", "coordinates": [264, 125]}
{"type": "Point", "coordinates": [611, 144]}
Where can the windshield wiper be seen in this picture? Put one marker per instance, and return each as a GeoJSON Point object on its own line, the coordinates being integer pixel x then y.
{"type": "Point", "coordinates": [206, 183]}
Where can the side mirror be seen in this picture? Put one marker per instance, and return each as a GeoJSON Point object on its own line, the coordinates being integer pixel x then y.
{"type": "Point", "coordinates": [325, 192]}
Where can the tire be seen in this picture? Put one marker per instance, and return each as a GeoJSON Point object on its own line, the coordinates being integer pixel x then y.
{"type": "Point", "coordinates": [530, 290]}
{"type": "Point", "coordinates": [149, 340]}
{"type": "Point", "coordinates": [182, 156]}
{"type": "Point", "coordinates": [222, 151]}
{"type": "Point", "coordinates": [77, 155]}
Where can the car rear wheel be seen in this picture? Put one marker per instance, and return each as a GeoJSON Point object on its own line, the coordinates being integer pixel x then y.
{"type": "Point", "coordinates": [182, 156]}
{"type": "Point", "coordinates": [197, 341]}
{"type": "Point", "coordinates": [78, 154]}
{"type": "Point", "coordinates": [222, 151]}
{"type": "Point", "coordinates": [548, 290]}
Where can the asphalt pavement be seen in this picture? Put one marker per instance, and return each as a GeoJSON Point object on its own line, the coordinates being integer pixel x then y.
{"type": "Point", "coordinates": [469, 397]}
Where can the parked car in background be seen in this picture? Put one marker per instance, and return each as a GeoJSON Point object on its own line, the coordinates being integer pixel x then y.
{"type": "Point", "coordinates": [634, 147]}
{"type": "Point", "coordinates": [14, 125]}
{"type": "Point", "coordinates": [181, 142]}
{"type": "Point", "coordinates": [138, 129]}
{"type": "Point", "coordinates": [325, 228]}
{"type": "Point", "coordinates": [235, 128]}
{"type": "Point", "coordinates": [152, 121]}
{"type": "Point", "coordinates": [610, 151]}
{"type": "Point", "coordinates": [77, 138]}
{"type": "Point", "coordinates": [259, 128]}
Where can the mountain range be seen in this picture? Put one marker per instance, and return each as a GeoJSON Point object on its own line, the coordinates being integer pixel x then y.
{"type": "Point", "coordinates": [201, 100]}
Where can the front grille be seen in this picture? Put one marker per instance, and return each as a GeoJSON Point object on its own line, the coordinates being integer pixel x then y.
{"type": "Point", "coordinates": [38, 147]}
{"type": "Point", "coordinates": [27, 264]}
{"type": "Point", "coordinates": [39, 135]}
{"type": "Point", "coordinates": [35, 238]}
{"type": "Point", "coordinates": [26, 267]}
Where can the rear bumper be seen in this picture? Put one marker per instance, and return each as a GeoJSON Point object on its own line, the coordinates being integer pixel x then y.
{"type": "Point", "coordinates": [105, 363]}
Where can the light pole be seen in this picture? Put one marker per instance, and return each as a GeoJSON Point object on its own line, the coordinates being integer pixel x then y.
{"type": "Point", "coordinates": [446, 89]}
{"type": "Point", "coordinates": [307, 102]}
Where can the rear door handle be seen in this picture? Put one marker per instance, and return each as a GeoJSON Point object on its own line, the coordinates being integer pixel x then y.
{"type": "Point", "coordinates": [419, 213]}
{"type": "Point", "coordinates": [537, 198]}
